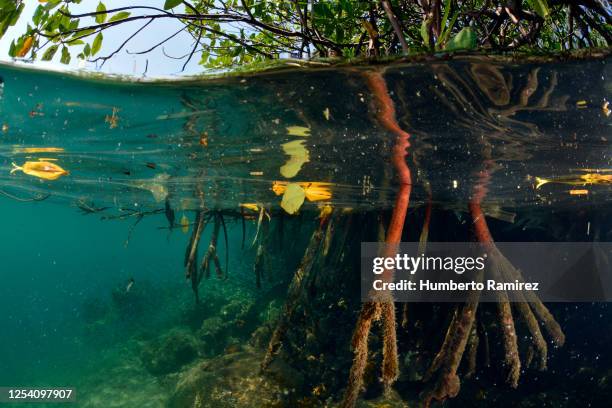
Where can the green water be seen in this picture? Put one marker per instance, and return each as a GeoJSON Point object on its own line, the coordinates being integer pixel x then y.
{"type": "Point", "coordinates": [70, 246]}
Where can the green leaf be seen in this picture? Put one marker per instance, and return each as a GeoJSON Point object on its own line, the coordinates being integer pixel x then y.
{"type": "Point", "coordinates": [36, 18]}
{"type": "Point", "coordinates": [171, 3]}
{"type": "Point", "coordinates": [446, 33]}
{"type": "Point", "coordinates": [100, 18]}
{"type": "Point", "coordinates": [119, 16]}
{"type": "Point", "coordinates": [97, 44]}
{"type": "Point", "coordinates": [12, 49]}
{"type": "Point", "coordinates": [65, 56]}
{"type": "Point", "coordinates": [49, 53]}
{"type": "Point", "coordinates": [447, 5]}
{"type": "Point", "coordinates": [540, 7]}
{"type": "Point", "coordinates": [87, 50]}
{"type": "Point", "coordinates": [464, 40]}
{"type": "Point", "coordinates": [425, 33]}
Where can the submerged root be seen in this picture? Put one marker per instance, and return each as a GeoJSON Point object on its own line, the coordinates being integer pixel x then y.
{"type": "Point", "coordinates": [443, 371]}
{"type": "Point", "coordinates": [390, 363]}
{"type": "Point", "coordinates": [369, 313]}
{"type": "Point", "coordinates": [296, 288]}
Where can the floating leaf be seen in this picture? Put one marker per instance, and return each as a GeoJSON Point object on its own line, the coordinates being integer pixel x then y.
{"type": "Point", "coordinates": [313, 190]}
{"type": "Point", "coordinates": [464, 40]}
{"type": "Point", "coordinates": [298, 131]}
{"type": "Point", "coordinates": [18, 150]}
{"type": "Point", "coordinates": [184, 224]}
{"type": "Point", "coordinates": [326, 114]}
{"type": "Point", "coordinates": [41, 169]}
{"type": "Point", "coordinates": [250, 206]}
{"type": "Point", "coordinates": [298, 155]}
{"type": "Point", "coordinates": [293, 198]}
{"type": "Point", "coordinates": [317, 191]}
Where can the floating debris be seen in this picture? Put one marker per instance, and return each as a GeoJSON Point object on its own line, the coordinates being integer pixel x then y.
{"type": "Point", "coordinates": [298, 131]}
{"type": "Point", "coordinates": [41, 169]}
{"type": "Point", "coordinates": [18, 150]}
{"type": "Point", "coordinates": [581, 104]}
{"type": "Point", "coordinates": [250, 206]}
{"type": "Point", "coordinates": [157, 186]}
{"type": "Point", "coordinates": [112, 119]}
{"type": "Point", "coordinates": [326, 114]}
{"type": "Point", "coordinates": [293, 198]}
{"type": "Point", "coordinates": [298, 156]}
{"type": "Point", "coordinates": [579, 192]}
{"type": "Point", "coordinates": [576, 180]}
{"type": "Point", "coordinates": [606, 108]}
{"type": "Point", "coordinates": [184, 224]}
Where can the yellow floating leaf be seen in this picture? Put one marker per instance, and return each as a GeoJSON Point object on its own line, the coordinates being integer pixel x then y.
{"type": "Point", "coordinates": [317, 191]}
{"type": "Point", "coordinates": [313, 190]}
{"type": "Point", "coordinates": [41, 169]}
{"type": "Point", "coordinates": [18, 150]}
{"type": "Point", "coordinates": [184, 224]}
{"type": "Point", "coordinates": [279, 187]}
{"type": "Point", "coordinates": [298, 155]}
{"type": "Point", "coordinates": [298, 131]}
{"type": "Point", "coordinates": [293, 198]}
{"type": "Point", "coordinates": [250, 206]}
{"type": "Point", "coordinates": [326, 113]}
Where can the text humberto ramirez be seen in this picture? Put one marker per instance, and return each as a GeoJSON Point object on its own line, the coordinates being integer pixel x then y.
{"type": "Point", "coordinates": [458, 265]}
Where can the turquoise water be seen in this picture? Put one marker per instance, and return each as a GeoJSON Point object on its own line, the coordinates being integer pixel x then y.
{"type": "Point", "coordinates": [136, 152]}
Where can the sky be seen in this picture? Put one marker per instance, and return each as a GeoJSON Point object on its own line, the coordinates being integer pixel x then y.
{"type": "Point", "coordinates": [123, 63]}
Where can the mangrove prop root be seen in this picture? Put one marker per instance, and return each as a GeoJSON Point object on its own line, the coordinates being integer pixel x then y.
{"type": "Point", "coordinates": [472, 351]}
{"type": "Point", "coordinates": [443, 371]}
{"type": "Point", "coordinates": [390, 363]}
{"type": "Point", "coordinates": [551, 326]}
{"type": "Point", "coordinates": [390, 371]}
{"type": "Point", "coordinates": [423, 238]}
{"type": "Point", "coordinates": [192, 249]}
{"type": "Point", "coordinates": [294, 292]}
{"type": "Point", "coordinates": [511, 356]}
{"type": "Point", "coordinates": [211, 253]}
{"type": "Point", "coordinates": [369, 312]}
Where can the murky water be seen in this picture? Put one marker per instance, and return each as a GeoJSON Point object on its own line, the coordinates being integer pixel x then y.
{"type": "Point", "coordinates": [125, 166]}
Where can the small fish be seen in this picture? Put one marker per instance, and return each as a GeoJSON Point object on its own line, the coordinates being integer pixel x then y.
{"type": "Point", "coordinates": [41, 169]}
{"type": "Point", "coordinates": [184, 224]}
{"type": "Point", "coordinates": [576, 180]}
{"type": "Point", "coordinates": [151, 165]}
{"type": "Point", "coordinates": [130, 283]}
